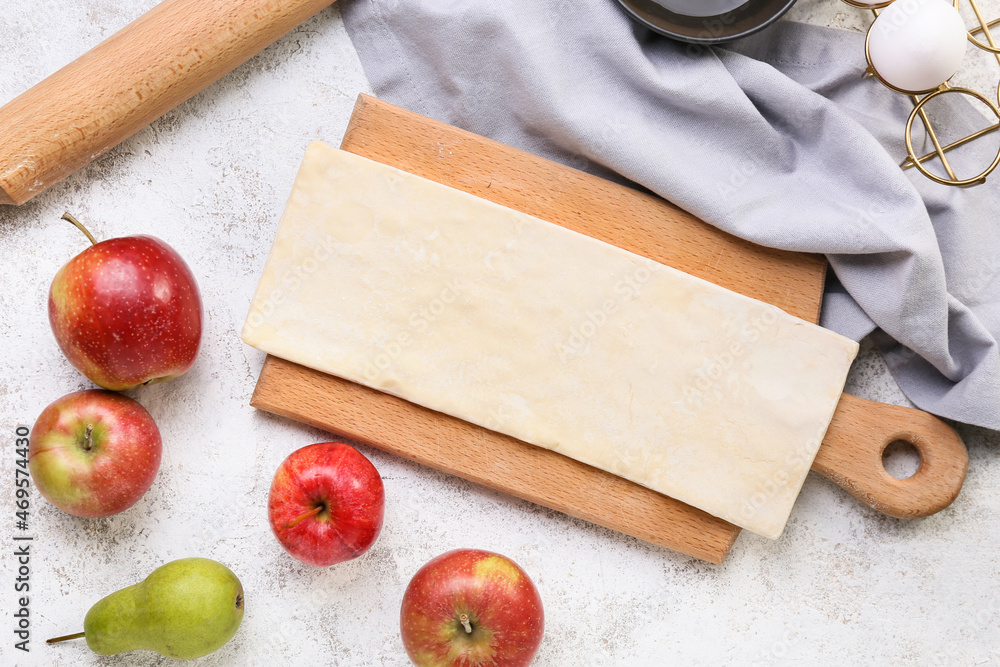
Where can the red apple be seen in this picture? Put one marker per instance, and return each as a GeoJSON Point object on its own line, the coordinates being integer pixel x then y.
{"type": "Point", "coordinates": [471, 608]}
{"type": "Point", "coordinates": [94, 453]}
{"type": "Point", "coordinates": [326, 503]}
{"type": "Point", "coordinates": [127, 312]}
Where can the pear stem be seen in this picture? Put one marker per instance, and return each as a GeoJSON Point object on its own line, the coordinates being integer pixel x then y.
{"type": "Point", "coordinates": [79, 225]}
{"type": "Point", "coordinates": [78, 635]}
{"type": "Point", "coordinates": [464, 620]}
{"type": "Point", "coordinates": [299, 519]}
{"type": "Point", "coordinates": [88, 440]}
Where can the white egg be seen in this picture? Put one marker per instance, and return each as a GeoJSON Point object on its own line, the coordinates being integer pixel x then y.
{"type": "Point", "coordinates": [916, 45]}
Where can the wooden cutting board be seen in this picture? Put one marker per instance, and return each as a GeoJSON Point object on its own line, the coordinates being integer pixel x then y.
{"type": "Point", "coordinates": [646, 225]}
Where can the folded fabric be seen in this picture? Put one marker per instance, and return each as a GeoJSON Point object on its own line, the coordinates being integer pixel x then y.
{"type": "Point", "coordinates": [777, 138]}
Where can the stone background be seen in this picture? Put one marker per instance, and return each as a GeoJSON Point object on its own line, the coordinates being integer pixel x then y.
{"type": "Point", "coordinates": [844, 584]}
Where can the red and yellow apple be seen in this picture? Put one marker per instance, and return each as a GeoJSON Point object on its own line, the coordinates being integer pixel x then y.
{"type": "Point", "coordinates": [94, 453]}
{"type": "Point", "coordinates": [471, 608]}
{"type": "Point", "coordinates": [326, 503]}
{"type": "Point", "coordinates": [127, 312]}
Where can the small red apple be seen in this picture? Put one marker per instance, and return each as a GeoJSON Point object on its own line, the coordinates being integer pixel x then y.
{"type": "Point", "coordinates": [471, 608]}
{"type": "Point", "coordinates": [326, 503]}
{"type": "Point", "coordinates": [94, 453]}
{"type": "Point", "coordinates": [126, 312]}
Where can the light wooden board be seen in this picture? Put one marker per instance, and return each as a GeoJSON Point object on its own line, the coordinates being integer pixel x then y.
{"type": "Point", "coordinates": [644, 224]}
{"type": "Point", "coordinates": [636, 221]}
{"type": "Point", "coordinates": [489, 458]}
{"type": "Point", "coordinates": [639, 222]}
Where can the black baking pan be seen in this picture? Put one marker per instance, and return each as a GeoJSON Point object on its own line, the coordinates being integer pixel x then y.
{"type": "Point", "coordinates": [706, 21]}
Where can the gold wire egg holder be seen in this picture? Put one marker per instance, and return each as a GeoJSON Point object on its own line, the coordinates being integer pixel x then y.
{"type": "Point", "coordinates": [921, 98]}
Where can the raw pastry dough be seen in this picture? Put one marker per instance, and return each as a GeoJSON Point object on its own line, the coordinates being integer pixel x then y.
{"type": "Point", "coordinates": [558, 339]}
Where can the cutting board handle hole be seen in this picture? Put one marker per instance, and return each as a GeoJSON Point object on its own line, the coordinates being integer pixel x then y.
{"type": "Point", "coordinates": [901, 459]}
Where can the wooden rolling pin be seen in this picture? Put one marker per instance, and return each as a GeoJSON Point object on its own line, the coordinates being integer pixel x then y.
{"type": "Point", "coordinates": [129, 80]}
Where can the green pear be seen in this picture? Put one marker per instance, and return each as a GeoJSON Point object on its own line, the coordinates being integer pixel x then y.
{"type": "Point", "coordinates": [183, 610]}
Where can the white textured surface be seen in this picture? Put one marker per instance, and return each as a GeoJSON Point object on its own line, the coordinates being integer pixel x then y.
{"type": "Point", "coordinates": [844, 584]}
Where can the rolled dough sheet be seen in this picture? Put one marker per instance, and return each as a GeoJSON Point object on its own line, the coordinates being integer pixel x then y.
{"type": "Point", "coordinates": [558, 339]}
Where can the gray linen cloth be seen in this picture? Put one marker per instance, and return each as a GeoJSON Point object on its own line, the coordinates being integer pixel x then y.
{"type": "Point", "coordinates": [777, 139]}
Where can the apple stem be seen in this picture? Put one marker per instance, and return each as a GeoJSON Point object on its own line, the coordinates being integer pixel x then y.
{"type": "Point", "coordinates": [78, 635]}
{"type": "Point", "coordinates": [88, 442]}
{"type": "Point", "coordinates": [79, 225]}
{"type": "Point", "coordinates": [464, 620]}
{"type": "Point", "coordinates": [299, 519]}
